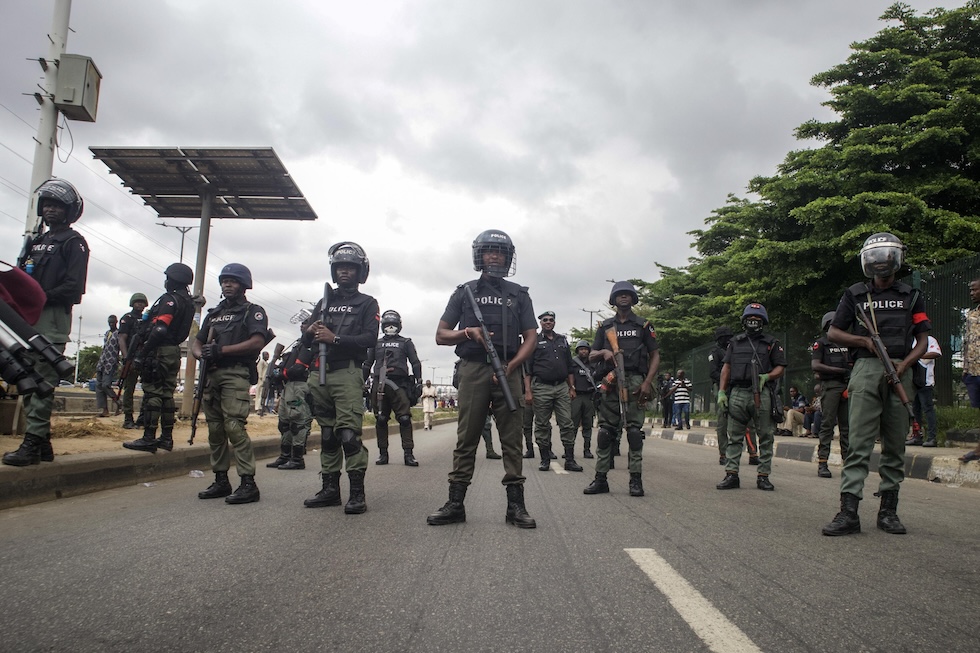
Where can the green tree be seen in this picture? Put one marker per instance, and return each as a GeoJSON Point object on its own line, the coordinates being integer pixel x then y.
{"type": "Point", "coordinates": [88, 358]}
{"type": "Point", "coordinates": [903, 156]}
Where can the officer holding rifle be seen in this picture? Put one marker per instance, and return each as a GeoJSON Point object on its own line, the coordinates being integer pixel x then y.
{"type": "Point", "coordinates": [489, 372]}
{"type": "Point", "coordinates": [892, 313]}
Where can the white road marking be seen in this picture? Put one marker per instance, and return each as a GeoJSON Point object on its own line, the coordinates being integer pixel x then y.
{"type": "Point", "coordinates": [707, 622]}
{"type": "Point", "coordinates": [559, 470]}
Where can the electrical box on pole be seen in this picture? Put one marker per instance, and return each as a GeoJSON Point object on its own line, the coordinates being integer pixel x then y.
{"type": "Point", "coordinates": [77, 91]}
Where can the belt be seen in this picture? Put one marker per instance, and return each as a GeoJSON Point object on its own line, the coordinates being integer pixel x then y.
{"type": "Point", "coordinates": [542, 381]}
{"type": "Point", "coordinates": [741, 384]}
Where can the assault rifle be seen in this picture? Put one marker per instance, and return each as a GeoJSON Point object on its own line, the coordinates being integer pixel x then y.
{"type": "Point", "coordinates": [891, 374]}
{"type": "Point", "coordinates": [378, 391]}
{"type": "Point", "coordinates": [498, 367]}
{"type": "Point", "coordinates": [757, 402]}
{"type": "Point", "coordinates": [323, 346]}
{"type": "Point", "coordinates": [202, 378]}
{"type": "Point", "coordinates": [622, 384]}
{"type": "Point", "coordinates": [16, 338]}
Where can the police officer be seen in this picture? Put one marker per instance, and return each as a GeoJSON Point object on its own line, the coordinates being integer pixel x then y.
{"type": "Point", "coordinates": [402, 390]}
{"type": "Point", "coordinates": [158, 359]}
{"type": "Point", "coordinates": [752, 352]}
{"type": "Point", "coordinates": [349, 329]}
{"type": "Point", "coordinates": [230, 339]}
{"type": "Point", "coordinates": [58, 261]}
{"type": "Point", "coordinates": [295, 411]}
{"type": "Point", "coordinates": [583, 403]}
{"type": "Point", "coordinates": [641, 355]}
{"type": "Point", "coordinates": [526, 404]}
{"type": "Point", "coordinates": [716, 360]}
{"type": "Point", "coordinates": [898, 312]}
{"type": "Point", "coordinates": [552, 389]}
{"type": "Point", "coordinates": [509, 315]}
{"type": "Point", "coordinates": [831, 364]}
{"type": "Point", "coordinates": [131, 334]}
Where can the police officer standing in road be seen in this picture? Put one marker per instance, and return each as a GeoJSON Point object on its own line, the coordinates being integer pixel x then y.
{"type": "Point", "coordinates": [509, 316]}
{"type": "Point", "coordinates": [349, 329]}
{"type": "Point", "coordinates": [230, 339]}
{"type": "Point", "coordinates": [401, 389]}
{"type": "Point", "coordinates": [552, 389]}
{"type": "Point", "coordinates": [58, 261]}
{"type": "Point", "coordinates": [751, 353]}
{"type": "Point", "coordinates": [641, 356]}
{"type": "Point", "coordinates": [875, 411]}
{"type": "Point", "coordinates": [130, 336]}
{"type": "Point", "coordinates": [831, 364]}
{"type": "Point", "coordinates": [716, 360]}
{"type": "Point", "coordinates": [583, 403]}
{"type": "Point", "coordinates": [295, 411]}
{"type": "Point", "coordinates": [158, 359]}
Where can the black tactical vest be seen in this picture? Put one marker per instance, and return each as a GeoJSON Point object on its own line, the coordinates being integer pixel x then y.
{"type": "Point", "coordinates": [395, 348]}
{"type": "Point", "coordinates": [742, 355]}
{"type": "Point", "coordinates": [492, 305]}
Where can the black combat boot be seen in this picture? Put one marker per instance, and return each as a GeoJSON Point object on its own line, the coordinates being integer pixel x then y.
{"type": "Point", "coordinates": [296, 460]}
{"type": "Point", "coordinates": [545, 459]}
{"type": "Point", "coordinates": [493, 455]}
{"type": "Point", "coordinates": [128, 422]}
{"type": "Point", "coordinates": [282, 459]}
{"type": "Point", "coordinates": [29, 453]}
{"type": "Point", "coordinates": [762, 482]}
{"type": "Point", "coordinates": [823, 471]}
{"type": "Point", "coordinates": [47, 452]}
{"type": "Point", "coordinates": [329, 495]}
{"type": "Point", "coordinates": [410, 459]}
{"type": "Point", "coordinates": [887, 516]}
{"type": "Point", "coordinates": [570, 464]}
{"type": "Point", "coordinates": [382, 457]}
{"type": "Point", "coordinates": [356, 503]}
{"type": "Point", "coordinates": [247, 492]}
{"type": "Point", "coordinates": [220, 488]}
{"type": "Point", "coordinates": [147, 443]}
{"type": "Point", "coordinates": [599, 485]}
{"type": "Point", "coordinates": [166, 440]}
{"type": "Point", "coordinates": [730, 482]}
{"type": "Point", "coordinates": [846, 521]}
{"type": "Point", "coordinates": [636, 485]}
{"type": "Point", "coordinates": [516, 512]}
{"type": "Point", "coordinates": [454, 511]}
{"type": "Point", "coordinates": [587, 449]}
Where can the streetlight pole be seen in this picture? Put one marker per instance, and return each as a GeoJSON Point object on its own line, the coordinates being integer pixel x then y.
{"type": "Point", "coordinates": [78, 350]}
{"type": "Point", "coordinates": [183, 232]}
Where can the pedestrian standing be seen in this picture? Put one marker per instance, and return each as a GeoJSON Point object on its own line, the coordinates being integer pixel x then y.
{"type": "Point", "coordinates": [106, 368]}
{"type": "Point", "coordinates": [428, 404]}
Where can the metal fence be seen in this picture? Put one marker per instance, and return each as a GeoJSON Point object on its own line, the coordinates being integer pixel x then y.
{"type": "Point", "coordinates": [947, 298]}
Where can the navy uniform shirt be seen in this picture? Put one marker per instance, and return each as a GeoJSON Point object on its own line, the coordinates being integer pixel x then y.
{"type": "Point", "coordinates": [551, 361]}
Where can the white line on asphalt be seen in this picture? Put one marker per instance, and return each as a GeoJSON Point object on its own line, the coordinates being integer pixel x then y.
{"type": "Point", "coordinates": [714, 629]}
{"type": "Point", "coordinates": [559, 470]}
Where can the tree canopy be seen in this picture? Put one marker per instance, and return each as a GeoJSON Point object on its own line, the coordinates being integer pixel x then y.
{"type": "Point", "coordinates": [903, 156]}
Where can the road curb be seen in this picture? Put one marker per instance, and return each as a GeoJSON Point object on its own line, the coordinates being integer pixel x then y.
{"type": "Point", "coordinates": [936, 466]}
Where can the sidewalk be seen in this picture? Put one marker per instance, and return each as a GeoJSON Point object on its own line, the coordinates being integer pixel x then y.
{"type": "Point", "coordinates": [939, 465]}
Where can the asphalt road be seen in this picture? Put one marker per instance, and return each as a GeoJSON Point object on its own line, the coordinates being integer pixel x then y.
{"type": "Point", "coordinates": [685, 568]}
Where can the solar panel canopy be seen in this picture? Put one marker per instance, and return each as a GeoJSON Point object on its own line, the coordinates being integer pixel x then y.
{"type": "Point", "coordinates": [247, 183]}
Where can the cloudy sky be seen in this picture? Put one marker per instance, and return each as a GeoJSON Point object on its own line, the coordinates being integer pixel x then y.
{"type": "Point", "coordinates": [595, 133]}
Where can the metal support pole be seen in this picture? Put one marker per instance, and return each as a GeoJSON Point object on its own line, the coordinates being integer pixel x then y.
{"type": "Point", "coordinates": [47, 124]}
{"type": "Point", "coordinates": [190, 369]}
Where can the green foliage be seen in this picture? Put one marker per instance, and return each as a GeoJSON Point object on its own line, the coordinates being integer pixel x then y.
{"type": "Point", "coordinates": [903, 156]}
{"type": "Point", "coordinates": [88, 358]}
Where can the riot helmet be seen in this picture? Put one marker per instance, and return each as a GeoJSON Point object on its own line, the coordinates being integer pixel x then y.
{"type": "Point", "coordinates": [621, 287]}
{"type": "Point", "coordinates": [882, 255]}
{"type": "Point", "coordinates": [754, 317]}
{"type": "Point", "coordinates": [826, 320]}
{"type": "Point", "coordinates": [391, 323]}
{"type": "Point", "coordinates": [138, 297]}
{"type": "Point", "coordinates": [723, 334]}
{"type": "Point", "coordinates": [62, 192]}
{"type": "Point", "coordinates": [239, 273]}
{"type": "Point", "coordinates": [495, 240]}
{"type": "Point", "coordinates": [349, 252]}
{"type": "Point", "coordinates": [180, 273]}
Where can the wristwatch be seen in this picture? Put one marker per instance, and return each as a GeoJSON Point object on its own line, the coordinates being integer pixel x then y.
{"type": "Point", "coordinates": [336, 340]}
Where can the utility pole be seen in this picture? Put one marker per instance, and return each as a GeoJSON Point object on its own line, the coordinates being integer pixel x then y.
{"type": "Point", "coordinates": [183, 232]}
{"type": "Point", "coordinates": [47, 124]}
{"type": "Point", "coordinates": [78, 350]}
{"type": "Point", "coordinates": [591, 322]}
